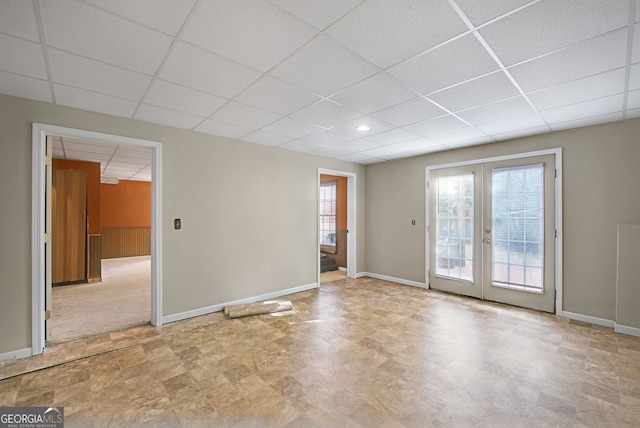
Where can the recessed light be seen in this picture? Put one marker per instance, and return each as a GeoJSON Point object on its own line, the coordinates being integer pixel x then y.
{"type": "Point", "coordinates": [363, 128]}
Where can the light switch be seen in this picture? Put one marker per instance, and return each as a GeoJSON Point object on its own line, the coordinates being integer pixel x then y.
{"type": "Point", "coordinates": [177, 223]}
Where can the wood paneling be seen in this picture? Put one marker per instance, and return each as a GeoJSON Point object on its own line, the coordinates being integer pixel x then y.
{"type": "Point", "coordinates": [94, 258]}
{"type": "Point", "coordinates": [69, 226]}
{"type": "Point", "coordinates": [125, 242]}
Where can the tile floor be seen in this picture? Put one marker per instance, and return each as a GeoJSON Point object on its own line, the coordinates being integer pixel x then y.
{"type": "Point", "coordinates": [356, 353]}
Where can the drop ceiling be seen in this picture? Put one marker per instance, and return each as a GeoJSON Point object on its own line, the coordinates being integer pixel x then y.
{"type": "Point", "coordinates": [302, 75]}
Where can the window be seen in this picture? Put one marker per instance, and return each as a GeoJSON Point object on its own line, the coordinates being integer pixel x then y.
{"type": "Point", "coordinates": [328, 215]}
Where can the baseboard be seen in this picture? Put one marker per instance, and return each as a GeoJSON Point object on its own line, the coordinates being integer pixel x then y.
{"type": "Point", "coordinates": [631, 331]}
{"type": "Point", "coordinates": [586, 318]}
{"type": "Point", "coordinates": [14, 355]}
{"type": "Point", "coordinates": [217, 308]}
{"type": "Point", "coordinates": [341, 269]}
{"type": "Point", "coordinates": [393, 279]}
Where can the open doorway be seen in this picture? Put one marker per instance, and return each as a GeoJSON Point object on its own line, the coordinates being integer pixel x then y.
{"type": "Point", "coordinates": [100, 238]}
{"type": "Point", "coordinates": [336, 225]}
{"type": "Point", "coordinates": [82, 145]}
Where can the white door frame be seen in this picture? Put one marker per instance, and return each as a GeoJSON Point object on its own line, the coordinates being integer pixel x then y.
{"type": "Point", "coordinates": [351, 219]}
{"type": "Point", "coordinates": [558, 210]}
{"type": "Point", "coordinates": [38, 217]}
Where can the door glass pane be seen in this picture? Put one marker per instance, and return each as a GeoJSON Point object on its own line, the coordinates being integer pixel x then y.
{"type": "Point", "coordinates": [517, 228]}
{"type": "Point", "coordinates": [454, 227]}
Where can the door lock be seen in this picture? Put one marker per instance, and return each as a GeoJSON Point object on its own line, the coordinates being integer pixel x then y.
{"type": "Point", "coordinates": [487, 231]}
{"type": "Point", "coordinates": [487, 240]}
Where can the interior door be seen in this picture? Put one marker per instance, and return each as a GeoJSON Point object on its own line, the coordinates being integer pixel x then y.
{"type": "Point", "coordinates": [492, 231]}
{"type": "Point", "coordinates": [69, 226]}
{"type": "Point", "coordinates": [455, 218]}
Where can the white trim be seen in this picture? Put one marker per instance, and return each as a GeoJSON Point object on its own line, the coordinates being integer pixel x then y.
{"type": "Point", "coordinates": [360, 275]}
{"type": "Point", "coordinates": [632, 331]}
{"type": "Point", "coordinates": [216, 308]}
{"type": "Point", "coordinates": [589, 319]}
{"type": "Point", "coordinates": [558, 210]}
{"type": "Point", "coordinates": [351, 219]}
{"type": "Point", "coordinates": [393, 279]}
{"type": "Point", "coordinates": [341, 269]}
{"type": "Point", "coordinates": [14, 355]}
{"type": "Point", "coordinates": [40, 132]}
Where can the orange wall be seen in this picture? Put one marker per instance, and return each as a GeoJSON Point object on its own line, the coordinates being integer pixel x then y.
{"type": "Point", "coordinates": [126, 204]}
{"type": "Point", "coordinates": [93, 189]}
{"type": "Point", "coordinates": [342, 198]}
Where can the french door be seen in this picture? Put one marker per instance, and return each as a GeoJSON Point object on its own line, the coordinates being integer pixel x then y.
{"type": "Point", "coordinates": [492, 231]}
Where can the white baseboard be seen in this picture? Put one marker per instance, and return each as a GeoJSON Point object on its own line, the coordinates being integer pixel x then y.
{"type": "Point", "coordinates": [14, 355]}
{"type": "Point", "coordinates": [586, 318]}
{"type": "Point", "coordinates": [393, 279]}
{"type": "Point", "coordinates": [220, 307]}
{"type": "Point", "coordinates": [631, 331]}
{"type": "Point", "coordinates": [341, 269]}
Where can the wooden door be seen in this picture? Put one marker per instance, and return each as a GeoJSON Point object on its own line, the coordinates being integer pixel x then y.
{"type": "Point", "coordinates": [69, 226]}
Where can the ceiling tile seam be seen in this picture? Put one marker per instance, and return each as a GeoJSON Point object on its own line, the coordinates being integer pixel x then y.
{"type": "Point", "coordinates": [166, 56]}
{"type": "Point", "coordinates": [627, 72]}
{"type": "Point", "coordinates": [295, 17]}
{"type": "Point", "coordinates": [504, 15]}
{"type": "Point", "coordinates": [43, 46]}
{"type": "Point", "coordinates": [125, 18]}
{"type": "Point", "coordinates": [498, 61]}
{"type": "Point", "coordinates": [107, 163]}
{"type": "Point", "coordinates": [139, 171]}
{"type": "Point", "coordinates": [557, 85]}
{"type": "Point", "coordinates": [64, 151]}
{"type": "Point", "coordinates": [94, 91]}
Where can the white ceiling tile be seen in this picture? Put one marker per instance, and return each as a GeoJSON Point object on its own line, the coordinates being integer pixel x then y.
{"type": "Point", "coordinates": [252, 32]}
{"type": "Point", "coordinates": [454, 62]}
{"type": "Point", "coordinates": [357, 158]}
{"type": "Point", "coordinates": [499, 110]}
{"type": "Point", "coordinates": [83, 73]}
{"type": "Point", "coordinates": [24, 87]}
{"type": "Point", "coordinates": [633, 113]}
{"type": "Point", "coordinates": [389, 31]}
{"type": "Point", "coordinates": [164, 15]}
{"type": "Point", "coordinates": [462, 134]}
{"type": "Point", "coordinates": [550, 25]}
{"type": "Point", "coordinates": [634, 100]}
{"type": "Point", "coordinates": [328, 138]}
{"type": "Point", "coordinates": [149, 113]}
{"type": "Point", "coordinates": [417, 145]}
{"type": "Point", "coordinates": [392, 136]}
{"type": "Point", "coordinates": [385, 152]}
{"type": "Point", "coordinates": [198, 69]}
{"type": "Point", "coordinates": [80, 155]}
{"type": "Point", "coordinates": [637, 11]}
{"type": "Point", "coordinates": [586, 109]}
{"type": "Point", "coordinates": [374, 93]}
{"type": "Point", "coordinates": [320, 14]}
{"type": "Point", "coordinates": [598, 86]}
{"type": "Point", "coordinates": [330, 152]}
{"type": "Point", "coordinates": [18, 19]}
{"type": "Point", "coordinates": [634, 77]}
{"type": "Point", "coordinates": [244, 115]}
{"type": "Point", "coordinates": [86, 147]}
{"type": "Point", "coordinates": [277, 96]}
{"type": "Point", "coordinates": [301, 146]}
{"type": "Point", "coordinates": [326, 113]}
{"type": "Point", "coordinates": [21, 57]}
{"type": "Point", "coordinates": [223, 129]}
{"type": "Point", "coordinates": [483, 90]}
{"type": "Point", "coordinates": [90, 32]}
{"type": "Point", "coordinates": [291, 128]}
{"type": "Point", "coordinates": [324, 67]}
{"type": "Point", "coordinates": [587, 121]}
{"type": "Point", "coordinates": [512, 124]}
{"type": "Point", "coordinates": [266, 138]}
{"type": "Point", "coordinates": [358, 145]}
{"type": "Point", "coordinates": [375, 126]}
{"type": "Point", "coordinates": [436, 126]}
{"type": "Point", "coordinates": [118, 160]}
{"type": "Point", "coordinates": [520, 133]}
{"type": "Point", "coordinates": [135, 152]}
{"type": "Point", "coordinates": [175, 97]}
{"type": "Point", "coordinates": [635, 54]}
{"type": "Point", "coordinates": [408, 112]}
{"type": "Point", "coordinates": [584, 59]}
{"type": "Point", "coordinates": [91, 101]}
{"type": "Point", "coordinates": [480, 12]}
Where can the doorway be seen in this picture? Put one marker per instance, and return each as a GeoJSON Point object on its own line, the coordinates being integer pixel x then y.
{"type": "Point", "coordinates": [336, 225]}
{"type": "Point", "coordinates": [41, 241]}
{"type": "Point", "coordinates": [492, 230]}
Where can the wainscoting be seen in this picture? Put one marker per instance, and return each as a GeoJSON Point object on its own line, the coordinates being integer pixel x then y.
{"type": "Point", "coordinates": [94, 258]}
{"type": "Point", "coordinates": [125, 242]}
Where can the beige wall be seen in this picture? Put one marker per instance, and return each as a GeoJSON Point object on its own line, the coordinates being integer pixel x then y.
{"type": "Point", "coordinates": [601, 189]}
{"type": "Point", "coordinates": [226, 249]}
